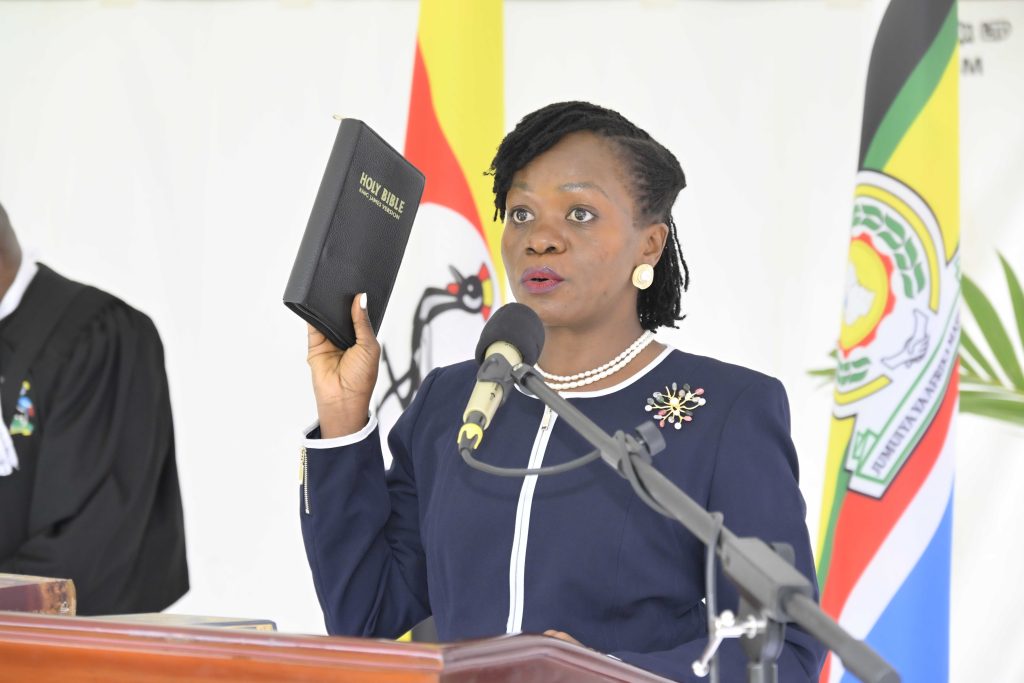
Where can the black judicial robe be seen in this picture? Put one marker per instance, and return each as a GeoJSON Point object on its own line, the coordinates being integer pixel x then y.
{"type": "Point", "coordinates": [95, 497]}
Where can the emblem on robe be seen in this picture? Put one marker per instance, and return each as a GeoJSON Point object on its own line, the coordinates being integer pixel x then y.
{"type": "Point", "coordinates": [23, 423]}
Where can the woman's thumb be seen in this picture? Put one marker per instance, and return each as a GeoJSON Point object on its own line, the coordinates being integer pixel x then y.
{"type": "Point", "coordinates": [361, 319]}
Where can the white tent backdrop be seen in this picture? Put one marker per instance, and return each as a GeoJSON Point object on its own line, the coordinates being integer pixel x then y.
{"type": "Point", "coordinates": [170, 152]}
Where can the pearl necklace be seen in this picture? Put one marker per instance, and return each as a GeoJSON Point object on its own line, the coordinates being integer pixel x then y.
{"type": "Point", "coordinates": [560, 382]}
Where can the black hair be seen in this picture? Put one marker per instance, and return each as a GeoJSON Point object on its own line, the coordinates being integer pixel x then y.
{"type": "Point", "coordinates": [655, 173]}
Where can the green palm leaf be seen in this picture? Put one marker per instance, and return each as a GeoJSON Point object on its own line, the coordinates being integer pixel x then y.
{"type": "Point", "coordinates": [993, 331]}
{"type": "Point", "coordinates": [967, 344]}
{"type": "Point", "coordinates": [967, 371]}
{"type": "Point", "coordinates": [1016, 296]}
{"type": "Point", "coordinates": [987, 396]}
{"type": "Point", "coordinates": [827, 375]}
{"type": "Point", "coordinates": [997, 406]}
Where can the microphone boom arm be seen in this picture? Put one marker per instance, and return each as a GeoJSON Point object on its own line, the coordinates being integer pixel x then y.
{"type": "Point", "coordinates": [770, 584]}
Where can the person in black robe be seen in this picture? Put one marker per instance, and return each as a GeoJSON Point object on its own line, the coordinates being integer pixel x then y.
{"type": "Point", "coordinates": [88, 480]}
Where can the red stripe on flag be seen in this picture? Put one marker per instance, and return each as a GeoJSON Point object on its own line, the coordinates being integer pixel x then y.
{"type": "Point", "coordinates": [428, 149]}
{"type": "Point", "coordinates": [864, 522]}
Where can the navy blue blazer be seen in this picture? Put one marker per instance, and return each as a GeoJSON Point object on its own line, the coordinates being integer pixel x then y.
{"type": "Point", "coordinates": [577, 552]}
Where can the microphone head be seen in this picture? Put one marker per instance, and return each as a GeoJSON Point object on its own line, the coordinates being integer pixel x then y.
{"type": "Point", "coordinates": [517, 325]}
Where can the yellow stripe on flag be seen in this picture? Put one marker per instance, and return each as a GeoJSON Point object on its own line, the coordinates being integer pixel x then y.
{"type": "Point", "coordinates": [927, 165]}
{"type": "Point", "coordinates": [462, 49]}
{"type": "Point", "coordinates": [839, 435]}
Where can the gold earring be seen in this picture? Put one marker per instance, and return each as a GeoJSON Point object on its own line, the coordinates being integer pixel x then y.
{"type": "Point", "coordinates": [643, 276]}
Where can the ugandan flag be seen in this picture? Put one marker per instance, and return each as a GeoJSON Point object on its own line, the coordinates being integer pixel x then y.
{"type": "Point", "coordinates": [457, 111]}
{"type": "Point", "coordinates": [884, 548]}
{"type": "Point", "coordinates": [452, 276]}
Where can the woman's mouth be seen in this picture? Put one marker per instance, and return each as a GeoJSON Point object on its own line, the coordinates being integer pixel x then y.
{"type": "Point", "coordinates": [540, 280]}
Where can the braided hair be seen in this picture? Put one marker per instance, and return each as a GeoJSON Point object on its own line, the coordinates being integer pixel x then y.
{"type": "Point", "coordinates": [654, 172]}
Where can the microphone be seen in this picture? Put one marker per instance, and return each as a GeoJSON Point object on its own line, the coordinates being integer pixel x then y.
{"type": "Point", "coordinates": [513, 335]}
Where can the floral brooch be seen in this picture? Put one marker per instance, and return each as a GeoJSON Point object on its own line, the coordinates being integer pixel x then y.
{"type": "Point", "coordinates": [675, 405]}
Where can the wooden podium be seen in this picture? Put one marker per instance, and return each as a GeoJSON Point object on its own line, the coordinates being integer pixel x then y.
{"type": "Point", "coordinates": [69, 649]}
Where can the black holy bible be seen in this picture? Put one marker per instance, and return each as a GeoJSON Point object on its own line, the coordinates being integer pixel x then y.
{"type": "Point", "coordinates": [356, 234]}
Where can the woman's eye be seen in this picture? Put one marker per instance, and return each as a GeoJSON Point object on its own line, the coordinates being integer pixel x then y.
{"type": "Point", "coordinates": [580, 215]}
{"type": "Point", "coordinates": [520, 215]}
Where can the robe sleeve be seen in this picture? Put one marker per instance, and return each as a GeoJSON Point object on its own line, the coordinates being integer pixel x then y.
{"type": "Point", "coordinates": [755, 486]}
{"type": "Point", "coordinates": [106, 509]}
{"type": "Point", "coordinates": [362, 530]}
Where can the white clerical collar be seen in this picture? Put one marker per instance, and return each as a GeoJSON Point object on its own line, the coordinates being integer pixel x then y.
{"type": "Point", "coordinates": [26, 271]}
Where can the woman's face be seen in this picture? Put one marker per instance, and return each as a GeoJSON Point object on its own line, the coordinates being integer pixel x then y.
{"type": "Point", "coordinates": [570, 242]}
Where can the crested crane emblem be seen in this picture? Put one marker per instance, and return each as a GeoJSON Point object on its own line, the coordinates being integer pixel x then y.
{"type": "Point", "coordinates": [473, 293]}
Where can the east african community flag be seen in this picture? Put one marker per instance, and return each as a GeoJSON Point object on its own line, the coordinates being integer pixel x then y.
{"type": "Point", "coordinates": [884, 549]}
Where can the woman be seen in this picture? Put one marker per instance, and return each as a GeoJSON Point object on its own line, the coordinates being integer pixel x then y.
{"type": "Point", "coordinates": [589, 244]}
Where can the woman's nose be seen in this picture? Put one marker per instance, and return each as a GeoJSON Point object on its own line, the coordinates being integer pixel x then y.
{"type": "Point", "coordinates": [543, 238]}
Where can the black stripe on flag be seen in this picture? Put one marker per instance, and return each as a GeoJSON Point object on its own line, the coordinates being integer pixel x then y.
{"type": "Point", "coordinates": [907, 30]}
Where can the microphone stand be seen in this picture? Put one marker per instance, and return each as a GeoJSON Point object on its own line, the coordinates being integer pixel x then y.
{"type": "Point", "coordinates": [772, 591]}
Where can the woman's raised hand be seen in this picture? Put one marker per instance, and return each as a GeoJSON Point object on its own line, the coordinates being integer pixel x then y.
{"type": "Point", "coordinates": [343, 381]}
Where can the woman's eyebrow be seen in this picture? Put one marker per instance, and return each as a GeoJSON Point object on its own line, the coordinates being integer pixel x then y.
{"type": "Point", "coordinates": [566, 187]}
{"type": "Point", "coordinates": [575, 187]}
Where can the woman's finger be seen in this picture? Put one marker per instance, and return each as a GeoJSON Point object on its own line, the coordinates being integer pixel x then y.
{"type": "Point", "coordinates": [361, 320]}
